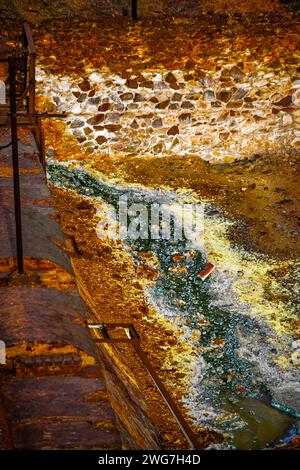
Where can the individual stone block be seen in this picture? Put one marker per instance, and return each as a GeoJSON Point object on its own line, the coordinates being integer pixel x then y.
{"type": "Point", "coordinates": [174, 130]}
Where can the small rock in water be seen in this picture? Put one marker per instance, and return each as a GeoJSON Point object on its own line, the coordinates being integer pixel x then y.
{"type": "Point", "coordinates": [296, 344]}
{"type": "Point", "coordinates": [296, 84]}
{"type": "Point", "coordinates": [177, 257]}
{"type": "Point", "coordinates": [132, 83]}
{"type": "Point", "coordinates": [295, 357]}
{"type": "Point", "coordinates": [177, 97]}
{"type": "Point", "coordinates": [163, 104]}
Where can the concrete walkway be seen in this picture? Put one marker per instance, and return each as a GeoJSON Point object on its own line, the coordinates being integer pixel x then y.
{"type": "Point", "coordinates": [52, 389]}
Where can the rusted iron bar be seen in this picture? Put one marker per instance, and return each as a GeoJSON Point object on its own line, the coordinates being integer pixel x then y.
{"type": "Point", "coordinates": [134, 12]}
{"type": "Point", "coordinates": [24, 51]}
{"type": "Point", "coordinates": [28, 125]}
{"type": "Point", "coordinates": [42, 147]}
{"type": "Point", "coordinates": [185, 428]}
{"type": "Point", "coordinates": [2, 147]}
{"type": "Point", "coordinates": [50, 115]}
{"type": "Point", "coordinates": [29, 39]}
{"type": "Point", "coordinates": [22, 97]}
{"type": "Point", "coordinates": [106, 326]}
{"type": "Point", "coordinates": [38, 136]}
{"type": "Point", "coordinates": [31, 104]}
{"type": "Point", "coordinates": [35, 126]}
{"type": "Point", "coordinates": [113, 340]}
{"type": "Point", "coordinates": [15, 158]}
{"type": "Point", "coordinates": [134, 339]}
{"type": "Point", "coordinates": [39, 115]}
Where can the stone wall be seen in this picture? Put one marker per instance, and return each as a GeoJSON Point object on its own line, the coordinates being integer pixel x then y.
{"type": "Point", "coordinates": [221, 117]}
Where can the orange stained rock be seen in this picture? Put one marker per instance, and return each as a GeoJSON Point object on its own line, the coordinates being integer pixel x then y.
{"type": "Point", "coordinates": [177, 269]}
{"type": "Point", "coordinates": [219, 342]}
{"type": "Point", "coordinates": [178, 257]}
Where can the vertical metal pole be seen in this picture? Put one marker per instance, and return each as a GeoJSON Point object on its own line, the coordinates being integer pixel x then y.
{"type": "Point", "coordinates": [39, 138]}
{"type": "Point", "coordinates": [32, 83]}
{"type": "Point", "coordinates": [134, 13]}
{"type": "Point", "coordinates": [15, 157]}
{"type": "Point", "coordinates": [25, 60]}
{"type": "Point", "coordinates": [43, 152]}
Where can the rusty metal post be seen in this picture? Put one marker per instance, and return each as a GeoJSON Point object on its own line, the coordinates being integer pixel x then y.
{"type": "Point", "coordinates": [24, 70]}
{"type": "Point", "coordinates": [40, 140]}
{"type": "Point", "coordinates": [15, 158]}
{"type": "Point", "coordinates": [32, 55]}
{"type": "Point", "coordinates": [32, 83]}
{"type": "Point", "coordinates": [134, 13]}
{"type": "Point", "coordinates": [43, 151]}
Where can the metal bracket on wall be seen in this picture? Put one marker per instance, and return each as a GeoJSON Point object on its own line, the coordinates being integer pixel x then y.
{"type": "Point", "coordinates": [134, 339]}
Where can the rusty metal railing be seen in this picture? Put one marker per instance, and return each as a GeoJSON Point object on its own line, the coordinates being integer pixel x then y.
{"type": "Point", "coordinates": [20, 112]}
{"type": "Point", "coordinates": [29, 58]}
{"type": "Point", "coordinates": [25, 66]}
{"type": "Point", "coordinates": [11, 61]}
{"type": "Point", "coordinates": [133, 338]}
{"type": "Point", "coordinates": [15, 158]}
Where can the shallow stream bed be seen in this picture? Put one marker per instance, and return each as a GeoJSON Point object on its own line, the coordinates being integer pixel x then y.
{"type": "Point", "coordinates": [238, 387]}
